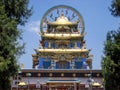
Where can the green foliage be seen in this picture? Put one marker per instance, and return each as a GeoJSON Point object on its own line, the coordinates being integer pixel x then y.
{"type": "Point", "coordinates": [115, 8]}
{"type": "Point", "coordinates": [111, 61]}
{"type": "Point", "coordinates": [10, 35]}
{"type": "Point", "coordinates": [17, 9]}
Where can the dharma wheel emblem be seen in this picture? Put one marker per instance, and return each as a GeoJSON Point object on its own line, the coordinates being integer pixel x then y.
{"type": "Point", "coordinates": [70, 15]}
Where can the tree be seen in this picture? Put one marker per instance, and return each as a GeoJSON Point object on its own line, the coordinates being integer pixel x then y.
{"type": "Point", "coordinates": [111, 61]}
{"type": "Point", "coordinates": [17, 9]}
{"type": "Point", "coordinates": [115, 8]}
{"type": "Point", "coordinates": [12, 14]}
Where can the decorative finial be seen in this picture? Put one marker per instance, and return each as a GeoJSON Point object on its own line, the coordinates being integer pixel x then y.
{"type": "Point", "coordinates": [62, 13]}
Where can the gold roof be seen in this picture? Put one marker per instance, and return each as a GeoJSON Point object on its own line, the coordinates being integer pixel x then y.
{"type": "Point", "coordinates": [22, 84]}
{"type": "Point", "coordinates": [62, 36]}
{"type": "Point", "coordinates": [62, 20]}
{"type": "Point", "coordinates": [63, 50]}
{"type": "Point", "coordinates": [96, 84]}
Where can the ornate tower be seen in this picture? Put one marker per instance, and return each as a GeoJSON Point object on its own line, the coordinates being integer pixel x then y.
{"type": "Point", "coordinates": [62, 44]}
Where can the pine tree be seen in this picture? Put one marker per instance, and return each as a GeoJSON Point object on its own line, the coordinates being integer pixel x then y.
{"type": "Point", "coordinates": [111, 61]}
{"type": "Point", "coordinates": [12, 14]}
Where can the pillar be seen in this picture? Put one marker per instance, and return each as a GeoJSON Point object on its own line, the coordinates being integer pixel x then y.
{"type": "Point", "coordinates": [75, 86]}
{"type": "Point", "coordinates": [75, 44]}
{"type": "Point", "coordinates": [49, 44]}
{"type": "Point", "coordinates": [53, 64]}
{"type": "Point", "coordinates": [72, 64]}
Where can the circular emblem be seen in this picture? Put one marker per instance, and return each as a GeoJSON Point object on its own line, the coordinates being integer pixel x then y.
{"type": "Point", "coordinates": [55, 14]}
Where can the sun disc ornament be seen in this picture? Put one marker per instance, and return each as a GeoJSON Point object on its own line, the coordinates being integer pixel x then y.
{"type": "Point", "coordinates": [39, 74]}
{"type": "Point", "coordinates": [62, 74]}
{"type": "Point", "coordinates": [50, 74]}
{"type": "Point", "coordinates": [74, 75]}
{"type": "Point", "coordinates": [64, 14]}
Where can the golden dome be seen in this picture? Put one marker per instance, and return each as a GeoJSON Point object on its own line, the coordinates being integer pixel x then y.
{"type": "Point", "coordinates": [62, 20]}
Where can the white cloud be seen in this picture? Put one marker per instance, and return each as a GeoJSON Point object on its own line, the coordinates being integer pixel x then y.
{"type": "Point", "coordinates": [33, 26]}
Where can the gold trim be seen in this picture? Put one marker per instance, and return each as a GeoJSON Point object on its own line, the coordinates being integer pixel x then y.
{"type": "Point", "coordinates": [63, 50]}
{"type": "Point", "coordinates": [62, 36]}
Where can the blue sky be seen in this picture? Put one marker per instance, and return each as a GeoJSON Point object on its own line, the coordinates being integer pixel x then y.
{"type": "Point", "coordinates": [98, 21]}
